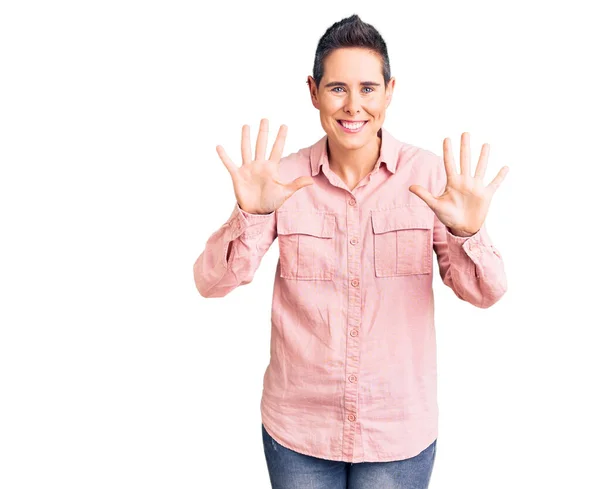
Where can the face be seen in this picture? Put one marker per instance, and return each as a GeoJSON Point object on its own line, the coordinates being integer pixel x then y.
{"type": "Point", "coordinates": [352, 90]}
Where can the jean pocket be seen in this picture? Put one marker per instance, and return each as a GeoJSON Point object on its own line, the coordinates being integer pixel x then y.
{"type": "Point", "coordinates": [402, 240]}
{"type": "Point", "coordinates": [306, 245]}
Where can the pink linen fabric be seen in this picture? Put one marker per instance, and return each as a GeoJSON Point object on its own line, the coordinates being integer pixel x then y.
{"type": "Point", "coordinates": [352, 374]}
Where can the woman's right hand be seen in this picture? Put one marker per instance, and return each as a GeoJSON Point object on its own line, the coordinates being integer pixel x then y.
{"type": "Point", "coordinates": [256, 183]}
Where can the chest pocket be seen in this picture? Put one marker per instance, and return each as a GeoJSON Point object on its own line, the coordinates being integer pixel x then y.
{"type": "Point", "coordinates": [306, 245]}
{"type": "Point", "coordinates": [403, 241]}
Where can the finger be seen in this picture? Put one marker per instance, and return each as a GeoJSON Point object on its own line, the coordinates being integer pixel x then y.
{"type": "Point", "coordinates": [495, 183]}
{"type": "Point", "coordinates": [424, 194]}
{"type": "Point", "coordinates": [449, 164]}
{"type": "Point", "coordinates": [482, 163]}
{"type": "Point", "coordinates": [261, 140]}
{"type": "Point", "coordinates": [277, 150]}
{"type": "Point", "coordinates": [246, 148]}
{"type": "Point", "coordinates": [230, 165]}
{"type": "Point", "coordinates": [465, 154]}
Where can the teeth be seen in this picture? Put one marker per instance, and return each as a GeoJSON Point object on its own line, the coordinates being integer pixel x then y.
{"type": "Point", "coordinates": [354, 125]}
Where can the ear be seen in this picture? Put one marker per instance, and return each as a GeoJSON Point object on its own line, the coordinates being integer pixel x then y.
{"type": "Point", "coordinates": [389, 91]}
{"type": "Point", "coordinates": [312, 87]}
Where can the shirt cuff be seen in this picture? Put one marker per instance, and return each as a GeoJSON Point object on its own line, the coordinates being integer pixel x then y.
{"type": "Point", "coordinates": [471, 246]}
{"type": "Point", "coordinates": [242, 222]}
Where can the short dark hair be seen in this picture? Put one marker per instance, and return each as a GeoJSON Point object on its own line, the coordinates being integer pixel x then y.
{"type": "Point", "coordinates": [347, 33]}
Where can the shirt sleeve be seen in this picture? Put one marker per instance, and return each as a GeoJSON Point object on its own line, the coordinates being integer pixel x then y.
{"type": "Point", "coordinates": [471, 266]}
{"type": "Point", "coordinates": [233, 253]}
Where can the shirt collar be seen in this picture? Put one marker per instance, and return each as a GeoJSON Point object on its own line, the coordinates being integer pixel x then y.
{"type": "Point", "coordinates": [388, 152]}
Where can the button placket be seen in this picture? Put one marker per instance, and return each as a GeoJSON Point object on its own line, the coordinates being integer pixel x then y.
{"type": "Point", "coordinates": [353, 325]}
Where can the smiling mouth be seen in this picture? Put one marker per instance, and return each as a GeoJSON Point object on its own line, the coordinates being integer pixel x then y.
{"type": "Point", "coordinates": [352, 126]}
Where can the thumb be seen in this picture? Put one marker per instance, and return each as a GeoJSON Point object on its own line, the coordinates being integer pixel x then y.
{"type": "Point", "coordinates": [299, 183]}
{"type": "Point", "coordinates": [423, 194]}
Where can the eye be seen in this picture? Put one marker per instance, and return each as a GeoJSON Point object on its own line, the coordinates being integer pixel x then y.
{"type": "Point", "coordinates": [369, 88]}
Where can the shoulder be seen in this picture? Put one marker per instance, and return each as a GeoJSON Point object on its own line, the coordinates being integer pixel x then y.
{"type": "Point", "coordinates": [295, 164]}
{"type": "Point", "coordinates": [420, 159]}
{"type": "Point", "coordinates": [425, 167]}
{"type": "Point", "coordinates": [299, 161]}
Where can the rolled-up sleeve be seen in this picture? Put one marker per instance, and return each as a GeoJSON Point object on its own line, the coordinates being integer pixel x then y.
{"type": "Point", "coordinates": [233, 253]}
{"type": "Point", "coordinates": [471, 266]}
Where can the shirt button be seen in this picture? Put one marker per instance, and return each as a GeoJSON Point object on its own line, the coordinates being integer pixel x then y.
{"type": "Point", "coordinates": [353, 332]}
{"type": "Point", "coordinates": [352, 202]}
{"type": "Point", "coordinates": [354, 282]}
{"type": "Point", "coordinates": [352, 378]}
{"type": "Point", "coordinates": [351, 417]}
{"type": "Point", "coordinates": [354, 241]}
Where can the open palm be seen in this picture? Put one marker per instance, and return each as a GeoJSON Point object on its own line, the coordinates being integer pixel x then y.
{"type": "Point", "coordinates": [464, 204]}
{"type": "Point", "coordinates": [256, 183]}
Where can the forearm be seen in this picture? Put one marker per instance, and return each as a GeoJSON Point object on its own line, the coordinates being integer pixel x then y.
{"type": "Point", "coordinates": [233, 253]}
{"type": "Point", "coordinates": [475, 269]}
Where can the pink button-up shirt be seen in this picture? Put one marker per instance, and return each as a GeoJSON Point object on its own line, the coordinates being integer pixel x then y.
{"type": "Point", "coordinates": [352, 374]}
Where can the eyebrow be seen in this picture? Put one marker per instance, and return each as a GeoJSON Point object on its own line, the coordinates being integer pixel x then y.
{"type": "Point", "coordinates": [365, 83]}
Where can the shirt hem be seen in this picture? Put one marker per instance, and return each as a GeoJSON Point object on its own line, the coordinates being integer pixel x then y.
{"type": "Point", "coordinates": [302, 451]}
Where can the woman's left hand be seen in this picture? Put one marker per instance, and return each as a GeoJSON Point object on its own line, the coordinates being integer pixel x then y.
{"type": "Point", "coordinates": [465, 201]}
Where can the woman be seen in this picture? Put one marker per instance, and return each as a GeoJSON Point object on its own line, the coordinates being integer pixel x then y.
{"type": "Point", "coordinates": [349, 398]}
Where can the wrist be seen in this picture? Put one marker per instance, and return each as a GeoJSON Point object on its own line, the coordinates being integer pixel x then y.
{"type": "Point", "coordinates": [460, 233]}
{"type": "Point", "coordinates": [253, 211]}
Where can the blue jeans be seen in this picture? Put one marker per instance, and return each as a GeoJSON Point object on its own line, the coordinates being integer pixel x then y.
{"type": "Point", "coordinates": [292, 470]}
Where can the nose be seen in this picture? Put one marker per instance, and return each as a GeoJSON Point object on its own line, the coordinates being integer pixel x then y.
{"type": "Point", "coordinates": [352, 105]}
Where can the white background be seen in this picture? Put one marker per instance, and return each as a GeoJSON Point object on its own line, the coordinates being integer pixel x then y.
{"type": "Point", "coordinates": [115, 372]}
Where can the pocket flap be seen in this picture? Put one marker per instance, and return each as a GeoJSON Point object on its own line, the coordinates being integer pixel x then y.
{"type": "Point", "coordinates": [315, 224]}
{"type": "Point", "coordinates": [407, 217]}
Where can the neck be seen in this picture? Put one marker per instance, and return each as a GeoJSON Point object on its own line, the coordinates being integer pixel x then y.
{"type": "Point", "coordinates": [352, 165]}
